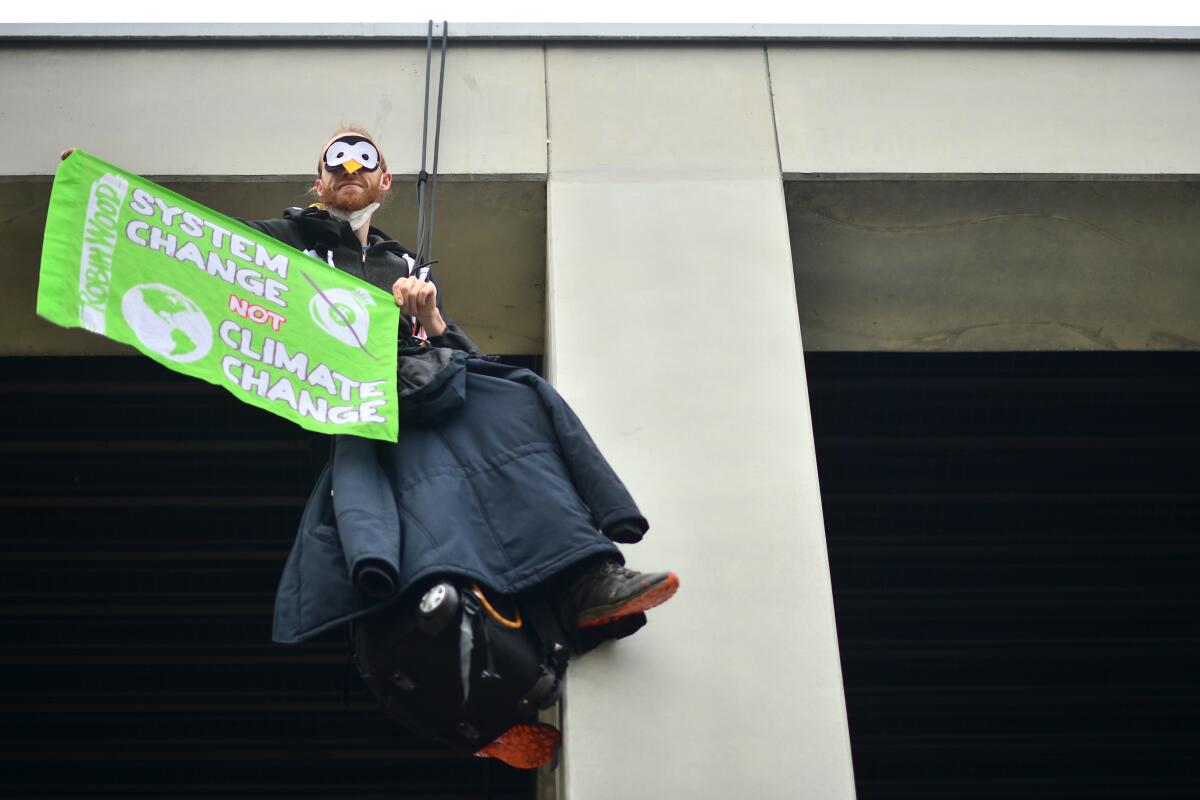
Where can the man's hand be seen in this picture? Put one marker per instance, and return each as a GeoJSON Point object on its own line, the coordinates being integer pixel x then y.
{"type": "Point", "coordinates": [418, 298]}
{"type": "Point", "coordinates": [63, 155]}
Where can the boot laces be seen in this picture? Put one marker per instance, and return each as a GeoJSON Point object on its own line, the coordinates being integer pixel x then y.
{"type": "Point", "coordinates": [617, 570]}
{"type": "Point", "coordinates": [604, 573]}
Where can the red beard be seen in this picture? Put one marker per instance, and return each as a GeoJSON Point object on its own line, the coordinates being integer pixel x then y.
{"type": "Point", "coordinates": [349, 202]}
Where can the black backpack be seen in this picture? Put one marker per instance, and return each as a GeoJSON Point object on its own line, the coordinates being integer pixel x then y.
{"type": "Point", "coordinates": [458, 666]}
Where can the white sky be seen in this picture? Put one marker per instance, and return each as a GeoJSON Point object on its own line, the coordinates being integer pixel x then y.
{"type": "Point", "coordinates": [939, 12]}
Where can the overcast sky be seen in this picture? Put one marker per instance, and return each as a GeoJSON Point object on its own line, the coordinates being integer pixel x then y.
{"type": "Point", "coordinates": [941, 12]}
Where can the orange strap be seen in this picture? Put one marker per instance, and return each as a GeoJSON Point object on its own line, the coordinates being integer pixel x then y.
{"type": "Point", "coordinates": [508, 623]}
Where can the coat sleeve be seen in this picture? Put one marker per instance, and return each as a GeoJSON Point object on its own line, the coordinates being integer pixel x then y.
{"type": "Point", "coordinates": [454, 338]}
{"type": "Point", "coordinates": [613, 508]}
{"type": "Point", "coordinates": [367, 522]}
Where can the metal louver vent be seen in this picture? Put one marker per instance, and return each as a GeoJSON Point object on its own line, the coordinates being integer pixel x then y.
{"type": "Point", "coordinates": [1014, 556]}
{"type": "Point", "coordinates": [147, 517]}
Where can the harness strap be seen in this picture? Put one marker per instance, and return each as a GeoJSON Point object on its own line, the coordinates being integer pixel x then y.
{"type": "Point", "coordinates": [542, 615]}
{"type": "Point", "coordinates": [466, 642]}
{"type": "Point", "coordinates": [513, 624]}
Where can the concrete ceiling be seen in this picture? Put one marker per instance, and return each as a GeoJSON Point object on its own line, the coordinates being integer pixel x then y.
{"type": "Point", "coordinates": [490, 243]}
{"type": "Point", "coordinates": [987, 264]}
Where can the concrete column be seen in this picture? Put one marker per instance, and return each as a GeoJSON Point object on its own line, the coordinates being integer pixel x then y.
{"type": "Point", "coordinates": [673, 332]}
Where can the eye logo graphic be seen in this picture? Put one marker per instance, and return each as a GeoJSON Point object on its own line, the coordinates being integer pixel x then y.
{"type": "Point", "coordinates": [342, 313]}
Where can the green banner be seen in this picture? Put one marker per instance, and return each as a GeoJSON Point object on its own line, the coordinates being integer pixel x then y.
{"type": "Point", "coordinates": [210, 297]}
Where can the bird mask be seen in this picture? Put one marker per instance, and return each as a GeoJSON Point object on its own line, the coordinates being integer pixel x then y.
{"type": "Point", "coordinates": [350, 153]}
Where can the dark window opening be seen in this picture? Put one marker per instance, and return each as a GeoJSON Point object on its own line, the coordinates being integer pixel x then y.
{"type": "Point", "coordinates": [1012, 539]}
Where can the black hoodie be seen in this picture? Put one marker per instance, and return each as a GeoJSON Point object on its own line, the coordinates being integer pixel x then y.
{"type": "Point", "coordinates": [381, 264]}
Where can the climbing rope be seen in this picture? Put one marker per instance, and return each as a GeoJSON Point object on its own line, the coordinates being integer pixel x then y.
{"type": "Point", "coordinates": [426, 215]}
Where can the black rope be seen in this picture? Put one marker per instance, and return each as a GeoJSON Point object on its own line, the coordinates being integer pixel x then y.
{"type": "Point", "coordinates": [426, 214]}
{"type": "Point", "coordinates": [437, 139]}
{"type": "Point", "coordinates": [422, 175]}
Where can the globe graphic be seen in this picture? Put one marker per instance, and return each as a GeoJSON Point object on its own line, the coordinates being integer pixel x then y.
{"type": "Point", "coordinates": [167, 322]}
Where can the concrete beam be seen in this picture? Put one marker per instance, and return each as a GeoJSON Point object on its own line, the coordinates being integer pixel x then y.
{"type": "Point", "coordinates": [254, 108]}
{"type": "Point", "coordinates": [673, 333]}
{"type": "Point", "coordinates": [980, 109]}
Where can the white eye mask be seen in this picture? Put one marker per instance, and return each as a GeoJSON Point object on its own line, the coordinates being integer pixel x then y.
{"type": "Point", "coordinates": [356, 218]}
{"type": "Point", "coordinates": [350, 153]}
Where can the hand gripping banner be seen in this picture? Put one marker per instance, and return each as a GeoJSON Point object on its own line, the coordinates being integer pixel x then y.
{"type": "Point", "coordinates": [210, 297]}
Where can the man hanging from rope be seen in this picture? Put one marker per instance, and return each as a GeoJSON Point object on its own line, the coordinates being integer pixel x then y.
{"type": "Point", "coordinates": [493, 482]}
{"type": "Point", "coordinates": [493, 479]}
{"type": "Point", "coordinates": [351, 184]}
{"type": "Point", "coordinates": [482, 490]}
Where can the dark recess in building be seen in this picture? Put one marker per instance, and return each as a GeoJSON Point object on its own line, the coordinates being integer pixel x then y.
{"type": "Point", "coordinates": [1014, 555]}
{"type": "Point", "coordinates": [1012, 538]}
{"type": "Point", "coordinates": [146, 520]}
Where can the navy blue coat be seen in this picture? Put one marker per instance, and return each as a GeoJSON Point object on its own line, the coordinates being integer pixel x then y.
{"type": "Point", "coordinates": [494, 478]}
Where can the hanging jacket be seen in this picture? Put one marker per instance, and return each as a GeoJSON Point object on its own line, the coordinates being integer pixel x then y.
{"type": "Point", "coordinates": [493, 479]}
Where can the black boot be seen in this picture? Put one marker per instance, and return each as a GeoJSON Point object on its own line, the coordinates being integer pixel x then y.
{"type": "Point", "coordinates": [608, 591]}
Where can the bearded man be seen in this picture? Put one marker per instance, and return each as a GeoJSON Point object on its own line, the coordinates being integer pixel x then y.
{"type": "Point", "coordinates": [493, 480]}
{"type": "Point", "coordinates": [351, 183]}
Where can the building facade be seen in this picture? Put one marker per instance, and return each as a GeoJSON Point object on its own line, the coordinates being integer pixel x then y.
{"type": "Point", "coordinates": [669, 219]}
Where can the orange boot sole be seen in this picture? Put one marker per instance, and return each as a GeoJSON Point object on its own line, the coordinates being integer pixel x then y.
{"type": "Point", "coordinates": [524, 746]}
{"type": "Point", "coordinates": [655, 596]}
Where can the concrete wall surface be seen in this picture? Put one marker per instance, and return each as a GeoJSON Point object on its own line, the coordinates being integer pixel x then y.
{"type": "Point", "coordinates": [986, 108]}
{"type": "Point", "coordinates": [241, 112]}
{"type": "Point", "coordinates": [230, 118]}
{"type": "Point", "coordinates": [165, 108]}
{"type": "Point", "coordinates": [673, 333]}
{"type": "Point", "coordinates": [256, 108]}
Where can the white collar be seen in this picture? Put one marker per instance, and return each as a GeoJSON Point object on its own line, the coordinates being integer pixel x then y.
{"type": "Point", "coordinates": [356, 218]}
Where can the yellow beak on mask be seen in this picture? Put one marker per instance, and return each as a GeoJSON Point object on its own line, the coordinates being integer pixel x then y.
{"type": "Point", "coordinates": [351, 166]}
